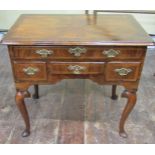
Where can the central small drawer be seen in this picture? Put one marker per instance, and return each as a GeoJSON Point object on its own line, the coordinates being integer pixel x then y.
{"type": "Point", "coordinates": [77, 68]}
{"type": "Point", "coordinates": [77, 52]}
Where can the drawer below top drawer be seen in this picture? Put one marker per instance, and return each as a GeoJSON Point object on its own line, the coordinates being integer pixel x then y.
{"type": "Point", "coordinates": [80, 68]}
{"type": "Point", "coordinates": [35, 71]}
{"type": "Point", "coordinates": [119, 71]}
{"type": "Point", "coordinates": [77, 52]}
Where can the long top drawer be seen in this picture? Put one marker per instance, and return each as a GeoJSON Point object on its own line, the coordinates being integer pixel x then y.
{"type": "Point", "coordinates": [77, 52]}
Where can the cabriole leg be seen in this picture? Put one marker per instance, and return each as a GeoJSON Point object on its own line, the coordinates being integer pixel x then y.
{"type": "Point", "coordinates": [132, 97]}
{"type": "Point", "coordinates": [20, 95]}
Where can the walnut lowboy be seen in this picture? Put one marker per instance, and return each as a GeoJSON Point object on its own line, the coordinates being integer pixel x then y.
{"type": "Point", "coordinates": [53, 48]}
{"type": "Point", "coordinates": [45, 64]}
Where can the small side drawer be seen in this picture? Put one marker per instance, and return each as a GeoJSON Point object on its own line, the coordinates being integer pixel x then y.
{"type": "Point", "coordinates": [120, 71]}
{"type": "Point", "coordinates": [34, 71]}
{"type": "Point", "coordinates": [78, 68]}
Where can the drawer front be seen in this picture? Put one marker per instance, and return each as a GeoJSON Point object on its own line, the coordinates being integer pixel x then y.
{"type": "Point", "coordinates": [71, 68]}
{"type": "Point", "coordinates": [119, 71]}
{"type": "Point", "coordinates": [35, 71]}
{"type": "Point", "coordinates": [69, 52]}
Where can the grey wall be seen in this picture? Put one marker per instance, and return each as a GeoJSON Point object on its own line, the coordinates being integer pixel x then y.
{"type": "Point", "coordinates": [8, 17]}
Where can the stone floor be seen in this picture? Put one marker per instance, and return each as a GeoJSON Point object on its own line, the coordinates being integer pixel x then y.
{"type": "Point", "coordinates": [77, 111]}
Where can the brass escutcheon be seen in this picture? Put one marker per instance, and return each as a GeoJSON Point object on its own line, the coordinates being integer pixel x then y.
{"type": "Point", "coordinates": [44, 53]}
{"type": "Point", "coordinates": [30, 70]}
{"type": "Point", "coordinates": [123, 71]}
{"type": "Point", "coordinates": [76, 69]}
{"type": "Point", "coordinates": [111, 53]}
{"type": "Point", "coordinates": [77, 51]}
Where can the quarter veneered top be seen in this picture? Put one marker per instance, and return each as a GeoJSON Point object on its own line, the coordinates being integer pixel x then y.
{"type": "Point", "coordinates": [77, 30]}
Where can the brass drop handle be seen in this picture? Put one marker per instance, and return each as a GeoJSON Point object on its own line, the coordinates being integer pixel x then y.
{"type": "Point", "coordinates": [30, 70]}
{"type": "Point", "coordinates": [111, 53]}
{"type": "Point", "coordinates": [76, 69]}
{"type": "Point", "coordinates": [44, 53]}
{"type": "Point", "coordinates": [123, 71]}
{"type": "Point", "coordinates": [77, 51]}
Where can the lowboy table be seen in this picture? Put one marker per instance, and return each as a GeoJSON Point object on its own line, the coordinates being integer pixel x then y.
{"type": "Point", "coordinates": [107, 49]}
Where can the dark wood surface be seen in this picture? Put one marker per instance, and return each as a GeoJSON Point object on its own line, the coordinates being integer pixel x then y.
{"type": "Point", "coordinates": [33, 63]}
{"type": "Point", "coordinates": [67, 30]}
